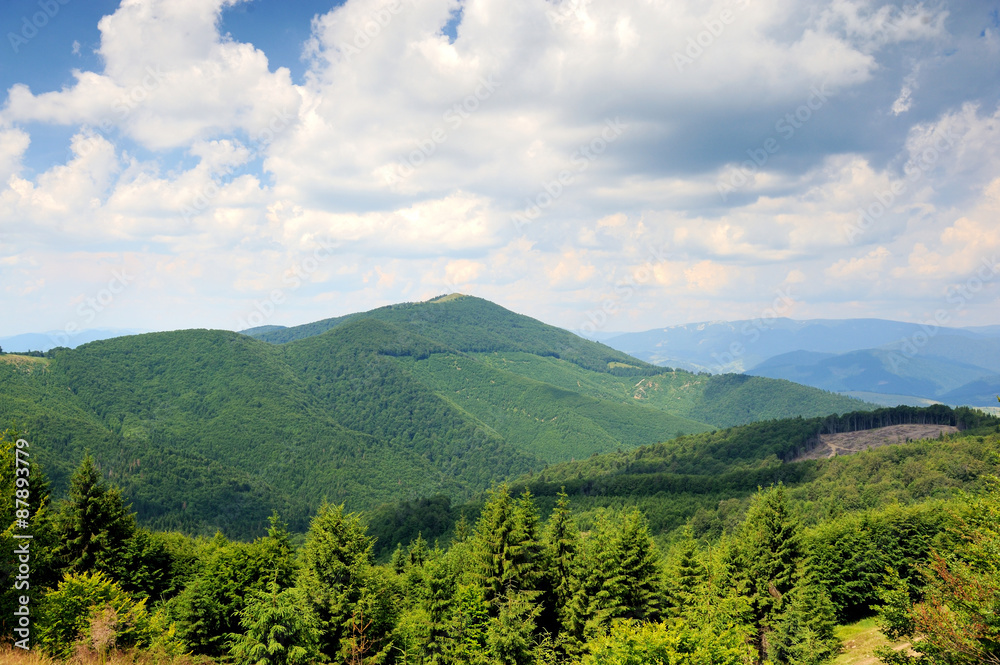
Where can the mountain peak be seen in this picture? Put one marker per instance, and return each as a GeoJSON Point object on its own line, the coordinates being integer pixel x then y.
{"type": "Point", "coordinates": [447, 297]}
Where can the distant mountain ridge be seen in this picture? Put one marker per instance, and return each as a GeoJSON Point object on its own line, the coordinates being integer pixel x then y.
{"type": "Point", "coordinates": [50, 340]}
{"type": "Point", "coordinates": [853, 356]}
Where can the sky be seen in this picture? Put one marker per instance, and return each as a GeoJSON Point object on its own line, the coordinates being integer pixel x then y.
{"type": "Point", "coordinates": [601, 165]}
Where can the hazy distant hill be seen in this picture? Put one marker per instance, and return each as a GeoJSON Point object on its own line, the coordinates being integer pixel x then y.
{"type": "Point", "coordinates": [907, 363]}
{"type": "Point", "coordinates": [736, 346]}
{"type": "Point", "coordinates": [54, 338]}
{"type": "Point", "coordinates": [210, 429]}
{"type": "Point", "coordinates": [947, 377]}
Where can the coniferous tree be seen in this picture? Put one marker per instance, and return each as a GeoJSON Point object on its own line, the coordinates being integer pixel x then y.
{"type": "Point", "coordinates": [279, 628]}
{"type": "Point", "coordinates": [803, 633]}
{"type": "Point", "coordinates": [598, 588]}
{"type": "Point", "coordinates": [562, 540]}
{"type": "Point", "coordinates": [639, 566]}
{"type": "Point", "coordinates": [398, 560]}
{"type": "Point", "coordinates": [94, 525]}
{"type": "Point", "coordinates": [440, 592]}
{"type": "Point", "coordinates": [208, 610]}
{"type": "Point", "coordinates": [334, 561]}
{"type": "Point", "coordinates": [528, 551]}
{"type": "Point", "coordinates": [686, 574]}
{"type": "Point", "coordinates": [790, 613]}
{"type": "Point", "coordinates": [417, 552]}
{"type": "Point", "coordinates": [509, 635]}
{"type": "Point", "coordinates": [492, 547]}
{"type": "Point", "coordinates": [506, 550]}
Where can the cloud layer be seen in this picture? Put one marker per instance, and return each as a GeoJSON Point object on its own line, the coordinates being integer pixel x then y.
{"type": "Point", "coordinates": [638, 163]}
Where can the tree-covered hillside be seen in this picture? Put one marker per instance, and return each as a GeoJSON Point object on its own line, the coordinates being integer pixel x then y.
{"type": "Point", "coordinates": [470, 324]}
{"type": "Point", "coordinates": [524, 581]}
{"type": "Point", "coordinates": [444, 397]}
{"type": "Point", "coordinates": [706, 478]}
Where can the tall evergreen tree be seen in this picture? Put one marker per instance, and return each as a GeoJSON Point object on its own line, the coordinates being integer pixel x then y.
{"type": "Point", "coordinates": [562, 540]}
{"type": "Point", "coordinates": [334, 561]}
{"type": "Point", "coordinates": [599, 587]}
{"type": "Point", "coordinates": [686, 574]}
{"type": "Point", "coordinates": [279, 628]}
{"type": "Point", "coordinates": [528, 569]}
{"type": "Point", "coordinates": [507, 552]}
{"type": "Point", "coordinates": [440, 592]}
{"type": "Point", "coordinates": [803, 632]}
{"type": "Point", "coordinates": [639, 566]}
{"type": "Point", "coordinates": [769, 557]}
{"type": "Point", "coordinates": [94, 525]}
{"type": "Point", "coordinates": [208, 610]}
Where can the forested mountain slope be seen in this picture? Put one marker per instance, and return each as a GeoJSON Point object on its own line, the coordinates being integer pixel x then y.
{"type": "Point", "coordinates": [209, 430]}
{"type": "Point", "coordinates": [707, 477]}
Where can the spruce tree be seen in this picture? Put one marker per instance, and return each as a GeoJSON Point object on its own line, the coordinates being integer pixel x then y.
{"type": "Point", "coordinates": [417, 551]}
{"type": "Point", "coordinates": [508, 555]}
{"type": "Point", "coordinates": [562, 540]}
{"type": "Point", "coordinates": [768, 554]}
{"type": "Point", "coordinates": [279, 628]}
{"type": "Point", "coordinates": [334, 561]}
{"type": "Point", "coordinates": [440, 593]}
{"type": "Point", "coordinates": [398, 560]}
{"type": "Point", "coordinates": [492, 547]}
{"type": "Point", "coordinates": [803, 632]}
{"type": "Point", "coordinates": [639, 569]}
{"type": "Point", "coordinates": [686, 574]}
{"type": "Point", "coordinates": [94, 525]}
{"type": "Point", "coordinates": [528, 551]}
{"type": "Point", "coordinates": [603, 587]}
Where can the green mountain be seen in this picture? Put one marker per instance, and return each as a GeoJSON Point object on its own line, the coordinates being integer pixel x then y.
{"type": "Point", "coordinates": [209, 430]}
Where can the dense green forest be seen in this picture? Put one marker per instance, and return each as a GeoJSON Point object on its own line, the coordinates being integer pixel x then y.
{"type": "Point", "coordinates": [213, 430]}
{"type": "Point", "coordinates": [525, 579]}
{"type": "Point", "coordinates": [707, 479]}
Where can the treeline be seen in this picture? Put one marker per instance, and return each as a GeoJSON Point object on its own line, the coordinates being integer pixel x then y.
{"type": "Point", "coordinates": [936, 414]}
{"type": "Point", "coordinates": [714, 503]}
{"type": "Point", "coordinates": [746, 446]}
{"type": "Point", "coordinates": [509, 587]}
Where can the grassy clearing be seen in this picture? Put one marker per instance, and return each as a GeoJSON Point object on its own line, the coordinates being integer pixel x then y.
{"type": "Point", "coordinates": [860, 641]}
{"type": "Point", "coordinates": [24, 363]}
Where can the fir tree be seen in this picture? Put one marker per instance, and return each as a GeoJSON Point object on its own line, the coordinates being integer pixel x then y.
{"type": "Point", "coordinates": [509, 636]}
{"type": "Point", "coordinates": [639, 570]}
{"type": "Point", "coordinates": [398, 560]}
{"type": "Point", "coordinates": [279, 629]}
{"type": "Point", "coordinates": [803, 633]}
{"type": "Point", "coordinates": [334, 560]}
{"type": "Point", "coordinates": [507, 553]}
{"type": "Point", "coordinates": [768, 555]}
{"type": "Point", "coordinates": [94, 525]}
{"type": "Point", "coordinates": [440, 591]}
{"type": "Point", "coordinates": [562, 541]}
{"type": "Point", "coordinates": [417, 551]}
{"type": "Point", "coordinates": [686, 574]}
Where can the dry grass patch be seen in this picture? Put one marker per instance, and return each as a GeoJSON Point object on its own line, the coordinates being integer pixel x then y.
{"type": "Point", "coordinates": [12, 656]}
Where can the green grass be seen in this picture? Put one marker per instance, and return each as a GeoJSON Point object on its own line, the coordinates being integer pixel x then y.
{"type": "Point", "coordinates": [859, 641]}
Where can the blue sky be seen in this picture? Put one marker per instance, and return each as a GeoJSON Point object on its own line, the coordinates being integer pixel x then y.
{"type": "Point", "coordinates": [598, 164]}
